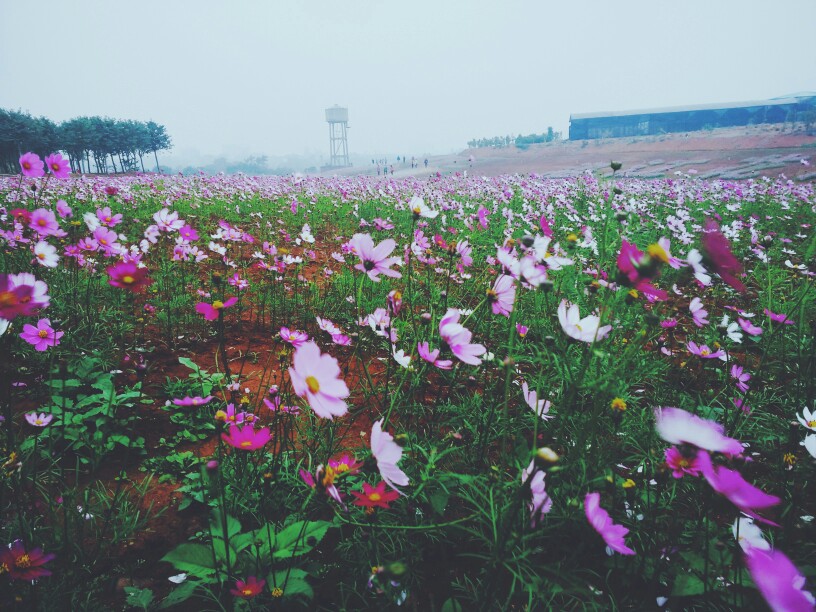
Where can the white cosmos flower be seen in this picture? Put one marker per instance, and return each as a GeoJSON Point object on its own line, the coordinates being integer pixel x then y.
{"type": "Point", "coordinates": [810, 445]}
{"type": "Point", "coordinates": [586, 329]}
{"type": "Point", "coordinates": [748, 535]}
{"type": "Point", "coordinates": [808, 419]}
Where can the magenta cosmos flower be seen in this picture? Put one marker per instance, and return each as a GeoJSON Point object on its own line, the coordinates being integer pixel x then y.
{"type": "Point", "coordinates": [731, 485]}
{"type": "Point", "coordinates": [458, 338]}
{"type": "Point", "coordinates": [246, 438]}
{"type": "Point", "coordinates": [58, 165]}
{"type": "Point", "coordinates": [129, 276]}
{"type": "Point", "coordinates": [781, 584]}
{"type": "Point", "coordinates": [374, 260]}
{"type": "Point", "coordinates": [211, 311]}
{"type": "Point", "coordinates": [31, 165]}
{"type": "Point", "coordinates": [249, 588]}
{"type": "Point", "coordinates": [719, 257]}
{"type": "Point", "coordinates": [316, 378]}
{"type": "Point", "coordinates": [42, 336]}
{"type": "Point", "coordinates": [778, 318]}
{"type": "Point", "coordinates": [637, 269]}
{"type": "Point", "coordinates": [601, 522]}
{"type": "Point", "coordinates": [22, 564]}
{"type": "Point", "coordinates": [683, 462]}
{"type": "Point", "coordinates": [677, 426]}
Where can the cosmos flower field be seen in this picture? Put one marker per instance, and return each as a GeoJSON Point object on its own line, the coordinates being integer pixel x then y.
{"type": "Point", "coordinates": [238, 393]}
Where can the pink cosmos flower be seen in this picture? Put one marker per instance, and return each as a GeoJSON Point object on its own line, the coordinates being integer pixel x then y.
{"type": "Point", "coordinates": [58, 166]}
{"type": "Point", "coordinates": [698, 313]}
{"type": "Point", "coordinates": [107, 218]}
{"type": "Point", "coordinates": [194, 401]}
{"type": "Point", "coordinates": [502, 295]}
{"type": "Point", "coordinates": [637, 269]}
{"type": "Point", "coordinates": [741, 377]}
{"type": "Point", "coordinates": [31, 165]}
{"type": "Point", "coordinates": [188, 234]}
{"type": "Point", "coordinates": [39, 420]}
{"type": "Point", "coordinates": [731, 485]}
{"type": "Point", "coordinates": [522, 330]}
{"type": "Point", "coordinates": [540, 503]}
{"type": "Point", "coordinates": [21, 295]}
{"type": "Point", "coordinates": [374, 260]}
{"type": "Point", "coordinates": [705, 352]}
{"type": "Point", "coordinates": [677, 426]}
{"type": "Point", "coordinates": [778, 318]}
{"type": "Point", "coordinates": [295, 337]}
{"type": "Point", "coordinates": [718, 254]}
{"type": "Point", "coordinates": [128, 276]}
{"type": "Point", "coordinates": [387, 453]}
{"type": "Point", "coordinates": [46, 254]}
{"type": "Point", "coordinates": [168, 221]}
{"type": "Point", "coordinates": [246, 438]}
{"type": "Point", "coordinates": [328, 326]}
{"type": "Point", "coordinates": [212, 311]}
{"type": "Point", "coordinates": [107, 240]}
{"type": "Point", "coordinates": [781, 584]}
{"type": "Point", "coordinates": [586, 329]}
{"type": "Point", "coordinates": [42, 336]}
{"type": "Point", "coordinates": [432, 357]}
{"type": "Point", "coordinates": [44, 222]}
{"type": "Point", "coordinates": [540, 407]}
{"type": "Point", "coordinates": [22, 564]}
{"type": "Point", "coordinates": [64, 210]}
{"type": "Point", "coordinates": [748, 327]}
{"type": "Point", "coordinates": [316, 377]}
{"type": "Point", "coordinates": [682, 463]}
{"type": "Point", "coordinates": [601, 522]}
{"type": "Point", "coordinates": [458, 338]}
{"type": "Point", "coordinates": [483, 213]}
{"type": "Point", "coordinates": [341, 340]}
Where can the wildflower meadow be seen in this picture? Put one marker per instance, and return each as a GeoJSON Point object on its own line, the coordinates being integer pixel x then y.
{"type": "Point", "coordinates": [443, 394]}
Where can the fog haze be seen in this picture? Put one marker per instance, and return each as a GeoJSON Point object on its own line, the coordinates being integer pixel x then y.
{"type": "Point", "coordinates": [419, 77]}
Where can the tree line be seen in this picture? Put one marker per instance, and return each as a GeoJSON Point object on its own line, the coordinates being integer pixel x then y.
{"type": "Point", "coordinates": [522, 142]}
{"type": "Point", "coordinates": [92, 144]}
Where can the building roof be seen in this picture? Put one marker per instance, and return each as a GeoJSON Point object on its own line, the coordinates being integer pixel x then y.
{"type": "Point", "coordinates": [686, 109]}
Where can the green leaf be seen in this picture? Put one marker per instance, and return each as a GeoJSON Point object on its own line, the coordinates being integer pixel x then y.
{"type": "Point", "coordinates": [139, 597]}
{"type": "Point", "coordinates": [186, 361]}
{"type": "Point", "coordinates": [295, 584]}
{"type": "Point", "coordinates": [299, 538]}
{"type": "Point", "coordinates": [687, 584]}
{"type": "Point", "coordinates": [451, 605]}
{"type": "Point", "coordinates": [439, 501]}
{"type": "Point", "coordinates": [179, 594]}
{"type": "Point", "coordinates": [194, 559]}
{"type": "Point", "coordinates": [217, 524]}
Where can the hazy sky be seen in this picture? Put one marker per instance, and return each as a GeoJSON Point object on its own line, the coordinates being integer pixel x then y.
{"type": "Point", "coordinates": [418, 76]}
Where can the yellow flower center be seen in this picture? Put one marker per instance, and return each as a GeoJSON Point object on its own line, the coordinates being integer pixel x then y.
{"type": "Point", "coordinates": [277, 592]}
{"type": "Point", "coordinates": [656, 251]}
{"type": "Point", "coordinates": [7, 298]}
{"type": "Point", "coordinates": [246, 444]}
{"type": "Point", "coordinates": [812, 423]}
{"type": "Point", "coordinates": [375, 497]}
{"type": "Point", "coordinates": [128, 279]}
{"type": "Point", "coordinates": [247, 591]}
{"type": "Point", "coordinates": [196, 401]}
{"type": "Point", "coordinates": [43, 333]}
{"type": "Point", "coordinates": [313, 384]}
{"type": "Point", "coordinates": [220, 415]}
{"type": "Point", "coordinates": [628, 483]}
{"type": "Point", "coordinates": [705, 352]}
{"type": "Point", "coordinates": [55, 167]}
{"type": "Point", "coordinates": [618, 404]}
{"type": "Point", "coordinates": [107, 219]}
{"type": "Point", "coordinates": [572, 238]}
{"type": "Point", "coordinates": [491, 295]}
{"type": "Point", "coordinates": [23, 561]}
{"type": "Point", "coordinates": [41, 255]}
{"type": "Point", "coordinates": [42, 222]}
{"type": "Point", "coordinates": [683, 463]}
{"type": "Point", "coordinates": [3, 568]}
{"type": "Point", "coordinates": [328, 476]}
{"type": "Point", "coordinates": [218, 304]}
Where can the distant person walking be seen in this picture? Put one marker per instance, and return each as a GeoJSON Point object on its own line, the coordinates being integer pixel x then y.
{"type": "Point", "coordinates": [426, 162]}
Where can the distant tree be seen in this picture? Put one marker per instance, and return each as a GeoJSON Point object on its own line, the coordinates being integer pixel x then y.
{"type": "Point", "coordinates": [159, 140]}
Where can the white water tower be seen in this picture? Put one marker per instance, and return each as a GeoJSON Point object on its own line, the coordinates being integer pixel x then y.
{"type": "Point", "coordinates": [337, 118]}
